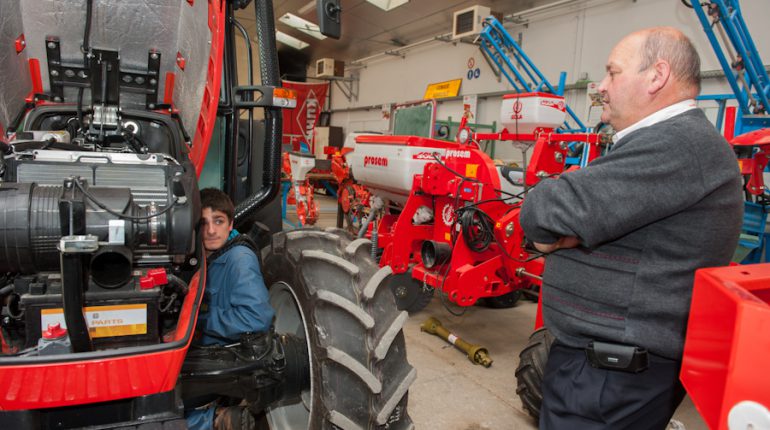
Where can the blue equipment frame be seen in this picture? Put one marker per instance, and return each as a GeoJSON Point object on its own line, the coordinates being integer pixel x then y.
{"type": "Point", "coordinates": [500, 48]}
{"type": "Point", "coordinates": [748, 79]}
{"type": "Point", "coordinates": [744, 70]}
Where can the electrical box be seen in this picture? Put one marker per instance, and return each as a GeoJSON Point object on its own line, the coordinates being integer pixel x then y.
{"type": "Point", "coordinates": [329, 67]}
{"type": "Point", "coordinates": [468, 22]}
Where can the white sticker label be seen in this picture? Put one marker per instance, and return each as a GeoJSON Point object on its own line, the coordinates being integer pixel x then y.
{"type": "Point", "coordinates": [104, 321]}
{"type": "Point", "coordinates": [451, 338]}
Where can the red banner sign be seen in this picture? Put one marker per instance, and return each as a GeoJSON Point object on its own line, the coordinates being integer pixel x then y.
{"type": "Point", "coordinates": [299, 123]}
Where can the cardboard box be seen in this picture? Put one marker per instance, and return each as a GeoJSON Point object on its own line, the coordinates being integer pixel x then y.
{"type": "Point", "coordinates": [326, 136]}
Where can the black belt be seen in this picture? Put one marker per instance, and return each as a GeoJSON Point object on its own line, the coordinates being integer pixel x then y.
{"type": "Point", "coordinates": [617, 356]}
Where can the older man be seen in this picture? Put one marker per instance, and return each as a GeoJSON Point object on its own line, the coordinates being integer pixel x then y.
{"type": "Point", "coordinates": [626, 235]}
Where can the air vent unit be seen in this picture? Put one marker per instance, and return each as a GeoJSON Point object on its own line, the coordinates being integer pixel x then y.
{"type": "Point", "coordinates": [468, 22]}
{"type": "Point", "coordinates": [329, 67]}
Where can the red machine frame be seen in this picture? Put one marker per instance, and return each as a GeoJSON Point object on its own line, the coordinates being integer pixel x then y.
{"type": "Point", "coordinates": [117, 376]}
{"type": "Point", "coordinates": [467, 177]}
{"type": "Point", "coordinates": [727, 343]}
{"type": "Point", "coordinates": [113, 375]}
{"type": "Point", "coordinates": [306, 206]}
{"type": "Point", "coordinates": [352, 198]}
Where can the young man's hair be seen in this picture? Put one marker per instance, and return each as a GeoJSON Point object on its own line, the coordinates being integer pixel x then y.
{"type": "Point", "coordinates": [217, 200]}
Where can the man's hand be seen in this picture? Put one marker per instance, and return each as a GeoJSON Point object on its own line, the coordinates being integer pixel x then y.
{"type": "Point", "coordinates": [563, 242]}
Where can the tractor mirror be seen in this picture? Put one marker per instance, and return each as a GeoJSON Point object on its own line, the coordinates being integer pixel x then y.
{"type": "Point", "coordinates": [329, 13]}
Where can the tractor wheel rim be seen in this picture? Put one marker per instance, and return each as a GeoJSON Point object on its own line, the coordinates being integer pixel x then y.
{"type": "Point", "coordinates": [289, 318]}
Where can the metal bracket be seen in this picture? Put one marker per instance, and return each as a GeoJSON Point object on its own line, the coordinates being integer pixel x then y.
{"type": "Point", "coordinates": [348, 86]}
{"type": "Point", "coordinates": [104, 71]}
{"type": "Point", "coordinates": [90, 75]}
{"type": "Point", "coordinates": [82, 244]}
{"type": "Point", "coordinates": [251, 96]}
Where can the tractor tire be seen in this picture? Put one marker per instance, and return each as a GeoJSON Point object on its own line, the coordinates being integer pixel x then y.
{"type": "Point", "coordinates": [327, 289]}
{"type": "Point", "coordinates": [529, 373]}
{"type": "Point", "coordinates": [505, 301]}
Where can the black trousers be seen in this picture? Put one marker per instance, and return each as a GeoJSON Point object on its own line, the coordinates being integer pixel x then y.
{"type": "Point", "coordinates": [577, 396]}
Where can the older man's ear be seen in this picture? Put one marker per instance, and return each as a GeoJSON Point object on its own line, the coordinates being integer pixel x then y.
{"type": "Point", "coordinates": [661, 73]}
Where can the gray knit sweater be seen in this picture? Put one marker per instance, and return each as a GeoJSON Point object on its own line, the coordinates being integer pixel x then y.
{"type": "Point", "coordinates": [665, 201]}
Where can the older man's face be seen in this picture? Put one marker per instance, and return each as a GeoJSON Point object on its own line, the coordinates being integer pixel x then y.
{"type": "Point", "coordinates": [624, 87]}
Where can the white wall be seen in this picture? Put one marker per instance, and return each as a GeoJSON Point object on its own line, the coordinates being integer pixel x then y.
{"type": "Point", "coordinates": [575, 39]}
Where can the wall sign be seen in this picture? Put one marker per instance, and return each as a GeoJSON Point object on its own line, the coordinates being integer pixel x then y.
{"type": "Point", "coordinates": [443, 89]}
{"type": "Point", "coordinates": [473, 71]}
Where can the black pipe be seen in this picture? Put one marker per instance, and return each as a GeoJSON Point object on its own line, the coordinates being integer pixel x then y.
{"type": "Point", "coordinates": [111, 266]}
{"type": "Point", "coordinates": [74, 272]}
{"type": "Point", "coordinates": [247, 96]}
{"type": "Point", "coordinates": [86, 48]}
{"type": "Point", "coordinates": [435, 253]}
{"type": "Point", "coordinates": [268, 60]}
{"type": "Point", "coordinates": [230, 170]}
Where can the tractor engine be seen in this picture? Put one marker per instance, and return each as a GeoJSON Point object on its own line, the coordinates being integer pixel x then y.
{"type": "Point", "coordinates": [104, 218]}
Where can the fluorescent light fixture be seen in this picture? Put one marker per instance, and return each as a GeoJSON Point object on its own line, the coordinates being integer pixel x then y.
{"type": "Point", "coordinates": [387, 5]}
{"type": "Point", "coordinates": [291, 41]}
{"type": "Point", "coordinates": [307, 8]}
{"type": "Point", "coordinates": [302, 25]}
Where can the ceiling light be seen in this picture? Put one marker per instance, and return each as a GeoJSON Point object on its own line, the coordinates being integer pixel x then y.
{"type": "Point", "coordinates": [291, 41]}
{"type": "Point", "coordinates": [307, 8]}
{"type": "Point", "coordinates": [387, 5]}
{"type": "Point", "coordinates": [302, 25]}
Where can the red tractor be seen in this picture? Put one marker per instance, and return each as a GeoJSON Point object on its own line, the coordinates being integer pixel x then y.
{"type": "Point", "coordinates": [107, 110]}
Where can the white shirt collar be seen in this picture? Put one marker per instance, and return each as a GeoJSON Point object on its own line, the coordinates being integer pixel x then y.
{"type": "Point", "coordinates": [661, 115]}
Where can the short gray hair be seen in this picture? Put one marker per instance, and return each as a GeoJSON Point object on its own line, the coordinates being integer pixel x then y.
{"type": "Point", "coordinates": [670, 45]}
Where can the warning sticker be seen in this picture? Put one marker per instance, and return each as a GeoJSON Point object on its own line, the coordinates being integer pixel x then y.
{"type": "Point", "coordinates": [471, 170]}
{"type": "Point", "coordinates": [104, 321]}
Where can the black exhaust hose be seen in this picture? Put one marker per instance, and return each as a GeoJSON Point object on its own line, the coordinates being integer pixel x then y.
{"type": "Point", "coordinates": [268, 61]}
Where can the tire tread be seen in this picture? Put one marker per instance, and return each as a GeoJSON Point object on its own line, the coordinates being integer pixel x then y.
{"type": "Point", "coordinates": [529, 373]}
{"type": "Point", "coordinates": [355, 331]}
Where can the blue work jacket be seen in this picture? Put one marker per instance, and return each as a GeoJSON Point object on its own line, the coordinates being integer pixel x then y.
{"type": "Point", "coordinates": [235, 300]}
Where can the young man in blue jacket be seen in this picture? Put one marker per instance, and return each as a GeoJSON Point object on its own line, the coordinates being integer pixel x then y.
{"type": "Point", "coordinates": [235, 300]}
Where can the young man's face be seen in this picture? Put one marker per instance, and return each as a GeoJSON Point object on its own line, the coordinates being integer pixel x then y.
{"type": "Point", "coordinates": [215, 228]}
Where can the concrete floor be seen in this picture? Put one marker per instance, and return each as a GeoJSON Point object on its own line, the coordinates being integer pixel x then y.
{"type": "Point", "coordinates": [450, 392]}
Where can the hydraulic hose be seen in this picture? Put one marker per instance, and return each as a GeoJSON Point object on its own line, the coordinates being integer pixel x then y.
{"type": "Point", "coordinates": [268, 60]}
